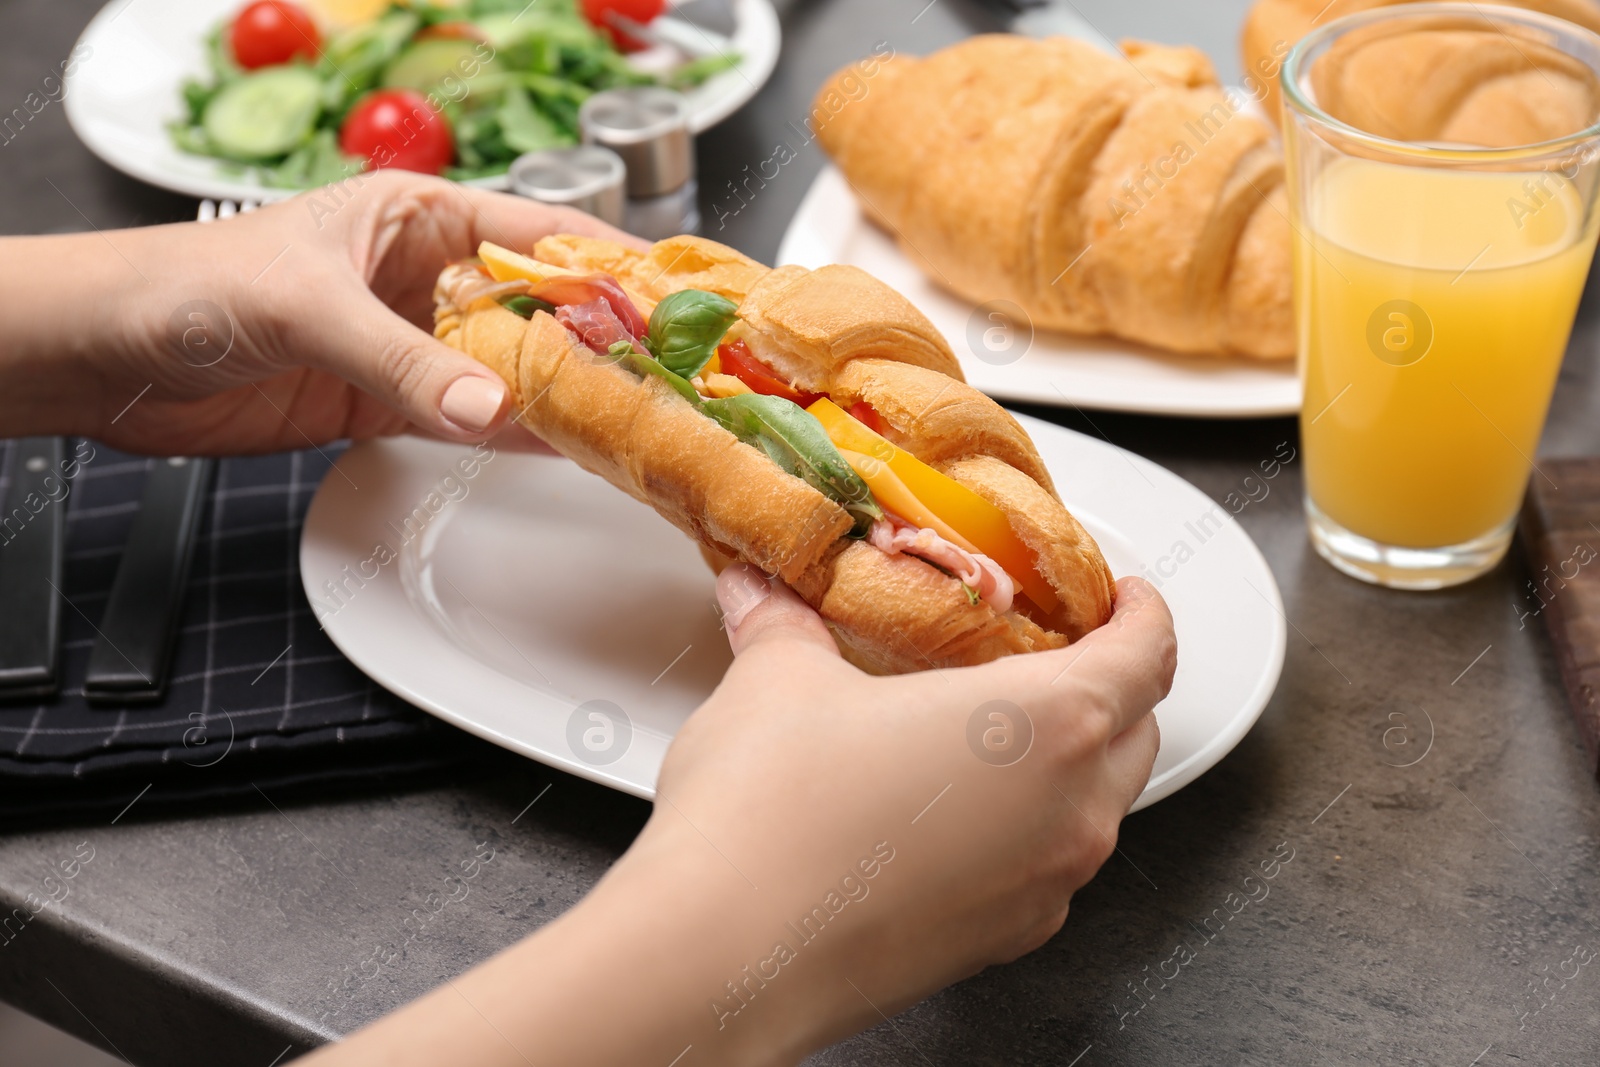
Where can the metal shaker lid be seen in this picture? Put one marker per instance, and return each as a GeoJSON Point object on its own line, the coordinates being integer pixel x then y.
{"type": "Point", "coordinates": [649, 128]}
{"type": "Point", "coordinates": [587, 177]}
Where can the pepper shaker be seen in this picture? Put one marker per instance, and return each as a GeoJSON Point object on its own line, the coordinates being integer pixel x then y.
{"type": "Point", "coordinates": [649, 128]}
{"type": "Point", "coordinates": [588, 177]}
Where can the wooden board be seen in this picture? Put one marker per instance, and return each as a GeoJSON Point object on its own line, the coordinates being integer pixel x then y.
{"type": "Point", "coordinates": [1561, 533]}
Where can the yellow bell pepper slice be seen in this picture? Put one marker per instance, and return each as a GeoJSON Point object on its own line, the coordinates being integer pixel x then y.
{"type": "Point", "coordinates": [919, 494]}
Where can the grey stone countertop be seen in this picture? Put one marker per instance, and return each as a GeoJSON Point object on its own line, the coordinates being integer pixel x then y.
{"type": "Point", "coordinates": [1436, 913]}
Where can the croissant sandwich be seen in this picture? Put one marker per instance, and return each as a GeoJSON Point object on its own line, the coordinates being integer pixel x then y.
{"type": "Point", "coordinates": [810, 422]}
{"type": "Point", "coordinates": [1125, 195]}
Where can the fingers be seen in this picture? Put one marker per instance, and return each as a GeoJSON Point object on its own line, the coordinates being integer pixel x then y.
{"type": "Point", "coordinates": [517, 222]}
{"type": "Point", "coordinates": [757, 611]}
{"type": "Point", "coordinates": [1126, 666]}
{"type": "Point", "coordinates": [442, 391]}
{"type": "Point", "coordinates": [1129, 759]}
{"type": "Point", "coordinates": [1132, 658]}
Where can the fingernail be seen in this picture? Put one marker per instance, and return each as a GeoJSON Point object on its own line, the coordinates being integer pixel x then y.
{"type": "Point", "coordinates": [473, 403]}
{"type": "Point", "coordinates": [739, 590]}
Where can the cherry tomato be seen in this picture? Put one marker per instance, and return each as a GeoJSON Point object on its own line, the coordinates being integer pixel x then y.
{"type": "Point", "coordinates": [273, 31]}
{"type": "Point", "coordinates": [867, 415]}
{"type": "Point", "coordinates": [637, 10]}
{"type": "Point", "coordinates": [398, 128]}
{"type": "Point", "coordinates": [737, 361]}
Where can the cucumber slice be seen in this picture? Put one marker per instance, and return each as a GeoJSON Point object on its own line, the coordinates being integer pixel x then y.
{"type": "Point", "coordinates": [426, 65]}
{"type": "Point", "coordinates": [263, 115]}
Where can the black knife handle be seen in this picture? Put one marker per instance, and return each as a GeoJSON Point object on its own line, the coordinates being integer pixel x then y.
{"type": "Point", "coordinates": [32, 537]}
{"type": "Point", "coordinates": [129, 661]}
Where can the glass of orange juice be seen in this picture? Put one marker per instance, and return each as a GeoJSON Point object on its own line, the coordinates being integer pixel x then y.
{"type": "Point", "coordinates": [1443, 161]}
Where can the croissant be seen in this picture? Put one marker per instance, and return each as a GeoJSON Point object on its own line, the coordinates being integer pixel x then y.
{"type": "Point", "coordinates": [837, 333]}
{"type": "Point", "coordinates": [1124, 195]}
{"type": "Point", "coordinates": [1519, 111]}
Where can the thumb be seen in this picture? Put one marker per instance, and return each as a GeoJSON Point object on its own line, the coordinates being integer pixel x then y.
{"type": "Point", "coordinates": [757, 610]}
{"type": "Point", "coordinates": [441, 390]}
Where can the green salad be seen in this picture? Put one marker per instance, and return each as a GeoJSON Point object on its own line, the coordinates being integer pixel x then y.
{"type": "Point", "coordinates": [458, 90]}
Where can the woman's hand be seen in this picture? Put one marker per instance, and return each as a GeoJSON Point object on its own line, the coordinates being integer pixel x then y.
{"type": "Point", "coordinates": [299, 323]}
{"type": "Point", "coordinates": [997, 789]}
{"type": "Point", "coordinates": [826, 849]}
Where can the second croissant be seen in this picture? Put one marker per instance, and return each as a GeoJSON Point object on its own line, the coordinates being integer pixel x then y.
{"type": "Point", "coordinates": [1122, 195]}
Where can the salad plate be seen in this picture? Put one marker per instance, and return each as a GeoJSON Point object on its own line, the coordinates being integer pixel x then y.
{"type": "Point", "coordinates": [431, 566]}
{"type": "Point", "coordinates": [1011, 361]}
{"type": "Point", "coordinates": [126, 90]}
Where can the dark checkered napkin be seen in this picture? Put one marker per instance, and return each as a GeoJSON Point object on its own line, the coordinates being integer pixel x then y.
{"type": "Point", "coordinates": [257, 693]}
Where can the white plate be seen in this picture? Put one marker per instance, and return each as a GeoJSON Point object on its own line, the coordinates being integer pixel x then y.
{"type": "Point", "coordinates": [520, 595]}
{"type": "Point", "coordinates": [124, 89]}
{"type": "Point", "coordinates": [1056, 369]}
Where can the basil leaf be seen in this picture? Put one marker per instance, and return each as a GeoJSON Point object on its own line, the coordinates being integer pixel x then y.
{"type": "Point", "coordinates": [527, 305]}
{"type": "Point", "coordinates": [641, 364]}
{"type": "Point", "coordinates": [686, 327]}
{"type": "Point", "coordinates": [790, 435]}
{"type": "Point", "coordinates": [796, 441]}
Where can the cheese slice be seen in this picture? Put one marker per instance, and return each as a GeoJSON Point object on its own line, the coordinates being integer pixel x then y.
{"type": "Point", "coordinates": [889, 491]}
{"type": "Point", "coordinates": [505, 265]}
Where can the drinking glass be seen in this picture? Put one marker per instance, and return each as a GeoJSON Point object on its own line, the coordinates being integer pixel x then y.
{"type": "Point", "coordinates": [1442, 168]}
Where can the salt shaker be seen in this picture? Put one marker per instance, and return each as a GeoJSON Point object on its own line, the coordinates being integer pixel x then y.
{"type": "Point", "coordinates": [587, 177]}
{"type": "Point", "coordinates": [649, 128]}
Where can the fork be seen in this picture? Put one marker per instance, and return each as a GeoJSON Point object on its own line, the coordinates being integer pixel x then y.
{"type": "Point", "coordinates": [210, 210]}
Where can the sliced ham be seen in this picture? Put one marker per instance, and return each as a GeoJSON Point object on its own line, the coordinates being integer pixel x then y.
{"type": "Point", "coordinates": [595, 325]}
{"type": "Point", "coordinates": [592, 306]}
{"type": "Point", "coordinates": [576, 289]}
{"type": "Point", "coordinates": [893, 535]}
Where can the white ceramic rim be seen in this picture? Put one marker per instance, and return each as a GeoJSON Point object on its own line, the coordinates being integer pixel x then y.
{"type": "Point", "coordinates": [758, 38]}
{"type": "Point", "coordinates": [436, 672]}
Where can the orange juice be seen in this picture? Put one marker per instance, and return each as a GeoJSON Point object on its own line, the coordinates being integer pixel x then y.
{"type": "Point", "coordinates": [1433, 308]}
